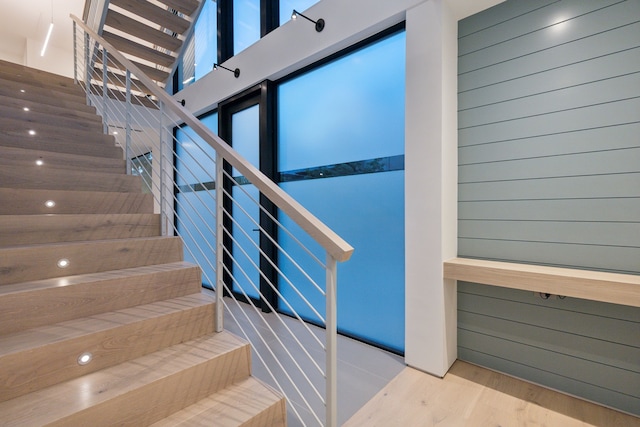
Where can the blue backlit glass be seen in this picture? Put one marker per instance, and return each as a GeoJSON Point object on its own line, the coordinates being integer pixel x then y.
{"type": "Point", "coordinates": [246, 24]}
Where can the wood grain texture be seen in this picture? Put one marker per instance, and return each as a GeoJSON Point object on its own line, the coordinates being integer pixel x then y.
{"type": "Point", "coordinates": [185, 6]}
{"type": "Point", "coordinates": [138, 50]}
{"type": "Point", "coordinates": [47, 355]}
{"type": "Point", "coordinates": [137, 29]}
{"type": "Point", "coordinates": [592, 285]}
{"type": "Point", "coordinates": [18, 230]}
{"type": "Point", "coordinates": [34, 76]}
{"type": "Point", "coordinates": [28, 305]}
{"type": "Point", "coordinates": [37, 118]}
{"type": "Point", "coordinates": [28, 263]}
{"type": "Point", "coordinates": [472, 396]}
{"type": "Point", "coordinates": [153, 13]}
{"type": "Point", "coordinates": [32, 202]}
{"type": "Point", "coordinates": [248, 404]}
{"type": "Point", "coordinates": [26, 159]}
{"type": "Point", "coordinates": [138, 392]}
{"type": "Point", "coordinates": [79, 112]}
{"type": "Point", "coordinates": [29, 89]}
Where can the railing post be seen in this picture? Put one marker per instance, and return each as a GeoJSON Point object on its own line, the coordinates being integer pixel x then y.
{"type": "Point", "coordinates": [332, 343]}
{"type": "Point", "coordinates": [87, 72]}
{"type": "Point", "coordinates": [127, 146]}
{"type": "Point", "coordinates": [163, 213]}
{"type": "Point", "coordinates": [75, 52]}
{"type": "Point", "coordinates": [105, 94]}
{"type": "Point", "coordinates": [219, 326]}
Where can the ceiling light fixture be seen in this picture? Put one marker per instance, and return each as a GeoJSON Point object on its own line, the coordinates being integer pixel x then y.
{"type": "Point", "coordinates": [46, 40]}
{"type": "Point", "coordinates": [235, 72]}
{"type": "Point", "coordinates": [319, 23]}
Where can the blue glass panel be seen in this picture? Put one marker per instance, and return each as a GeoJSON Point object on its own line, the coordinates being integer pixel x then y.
{"type": "Point", "coordinates": [246, 24]}
{"type": "Point", "coordinates": [206, 34]}
{"type": "Point", "coordinates": [196, 159]}
{"type": "Point", "coordinates": [196, 225]}
{"type": "Point", "coordinates": [287, 7]}
{"type": "Point", "coordinates": [350, 109]}
{"type": "Point", "coordinates": [368, 212]}
{"type": "Point", "coordinates": [246, 138]}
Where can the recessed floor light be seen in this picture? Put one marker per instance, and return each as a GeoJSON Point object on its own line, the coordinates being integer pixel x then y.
{"type": "Point", "coordinates": [49, 203]}
{"type": "Point", "coordinates": [63, 263]}
{"type": "Point", "coordinates": [32, 132]}
{"type": "Point", "coordinates": [85, 358]}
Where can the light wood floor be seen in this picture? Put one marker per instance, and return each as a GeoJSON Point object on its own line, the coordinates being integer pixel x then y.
{"type": "Point", "coordinates": [472, 396]}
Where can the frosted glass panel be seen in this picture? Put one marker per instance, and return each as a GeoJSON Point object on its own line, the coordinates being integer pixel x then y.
{"type": "Point", "coordinates": [368, 212]}
{"type": "Point", "coordinates": [196, 159]}
{"type": "Point", "coordinates": [246, 138]}
{"type": "Point", "coordinates": [206, 34]}
{"type": "Point", "coordinates": [246, 24]}
{"type": "Point", "coordinates": [350, 109]}
{"type": "Point", "coordinates": [287, 6]}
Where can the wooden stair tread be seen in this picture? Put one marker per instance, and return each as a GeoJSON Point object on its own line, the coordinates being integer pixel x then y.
{"type": "Point", "coordinates": [34, 74]}
{"type": "Point", "coordinates": [139, 51]}
{"type": "Point", "coordinates": [137, 29]}
{"type": "Point", "coordinates": [26, 158]}
{"type": "Point", "coordinates": [55, 300]}
{"type": "Point", "coordinates": [35, 262]}
{"type": "Point", "coordinates": [88, 113]}
{"type": "Point", "coordinates": [156, 74]}
{"type": "Point", "coordinates": [9, 112]}
{"type": "Point", "coordinates": [153, 13]}
{"type": "Point", "coordinates": [247, 403]}
{"type": "Point", "coordinates": [36, 229]}
{"type": "Point", "coordinates": [32, 89]}
{"type": "Point", "coordinates": [60, 179]}
{"type": "Point", "coordinates": [32, 201]}
{"type": "Point", "coordinates": [185, 6]}
{"type": "Point", "coordinates": [172, 377]}
{"type": "Point", "coordinates": [47, 355]}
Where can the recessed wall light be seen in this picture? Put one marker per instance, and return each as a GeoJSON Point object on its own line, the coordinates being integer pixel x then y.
{"type": "Point", "coordinates": [115, 132]}
{"type": "Point", "coordinates": [85, 358]}
{"type": "Point", "coordinates": [22, 90]}
{"type": "Point", "coordinates": [63, 263]}
{"type": "Point", "coordinates": [32, 132]}
{"type": "Point", "coordinates": [26, 108]}
{"type": "Point", "coordinates": [49, 203]}
{"type": "Point", "coordinates": [39, 162]}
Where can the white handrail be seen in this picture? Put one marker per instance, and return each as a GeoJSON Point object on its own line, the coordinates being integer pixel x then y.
{"type": "Point", "coordinates": [339, 249]}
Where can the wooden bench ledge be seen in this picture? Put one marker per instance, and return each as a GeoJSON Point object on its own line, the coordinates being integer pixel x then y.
{"type": "Point", "coordinates": [592, 285]}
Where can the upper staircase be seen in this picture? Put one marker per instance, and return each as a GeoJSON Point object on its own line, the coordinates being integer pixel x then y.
{"type": "Point", "coordinates": [84, 271]}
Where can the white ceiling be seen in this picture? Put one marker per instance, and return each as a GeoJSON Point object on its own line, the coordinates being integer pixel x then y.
{"type": "Point", "coordinates": [23, 19]}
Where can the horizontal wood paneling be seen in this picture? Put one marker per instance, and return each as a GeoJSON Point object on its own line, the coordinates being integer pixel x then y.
{"type": "Point", "coordinates": [549, 173]}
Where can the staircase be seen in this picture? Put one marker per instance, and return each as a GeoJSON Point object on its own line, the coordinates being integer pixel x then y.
{"type": "Point", "coordinates": [85, 272]}
{"type": "Point", "coordinates": [150, 33]}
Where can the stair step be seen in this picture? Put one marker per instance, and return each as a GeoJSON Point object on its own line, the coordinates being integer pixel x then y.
{"type": "Point", "coordinates": [45, 178]}
{"type": "Point", "coordinates": [138, 392]}
{"type": "Point", "coordinates": [248, 403]}
{"type": "Point", "coordinates": [36, 118]}
{"type": "Point", "coordinates": [47, 355]}
{"type": "Point", "coordinates": [88, 113]}
{"type": "Point", "coordinates": [119, 80]}
{"type": "Point", "coordinates": [28, 305]}
{"type": "Point", "coordinates": [31, 89]}
{"type": "Point", "coordinates": [18, 230]}
{"type": "Point", "coordinates": [137, 29]}
{"type": "Point", "coordinates": [54, 131]}
{"type": "Point", "coordinates": [107, 148]}
{"type": "Point", "coordinates": [26, 159]}
{"type": "Point", "coordinates": [36, 262]}
{"type": "Point", "coordinates": [66, 86]}
{"type": "Point", "coordinates": [185, 6]}
{"type": "Point", "coordinates": [32, 74]}
{"type": "Point", "coordinates": [151, 12]}
{"type": "Point", "coordinates": [139, 51]}
{"type": "Point", "coordinates": [14, 201]}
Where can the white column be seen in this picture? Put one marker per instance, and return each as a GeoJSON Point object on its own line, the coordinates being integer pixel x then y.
{"type": "Point", "coordinates": [431, 186]}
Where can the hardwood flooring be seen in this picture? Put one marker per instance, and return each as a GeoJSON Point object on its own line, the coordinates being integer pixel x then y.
{"type": "Point", "coordinates": [472, 396]}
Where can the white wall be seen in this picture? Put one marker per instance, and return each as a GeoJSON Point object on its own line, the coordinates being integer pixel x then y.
{"type": "Point", "coordinates": [431, 140]}
{"type": "Point", "coordinates": [55, 60]}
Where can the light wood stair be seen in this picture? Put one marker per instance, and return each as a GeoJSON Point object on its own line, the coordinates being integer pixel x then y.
{"type": "Point", "coordinates": [126, 295]}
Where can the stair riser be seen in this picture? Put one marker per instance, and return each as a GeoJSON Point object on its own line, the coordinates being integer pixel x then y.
{"type": "Point", "coordinates": [38, 93]}
{"type": "Point", "coordinates": [67, 299]}
{"type": "Point", "coordinates": [20, 127]}
{"type": "Point", "coordinates": [37, 229]}
{"type": "Point", "coordinates": [43, 178]}
{"type": "Point", "coordinates": [26, 159]}
{"type": "Point", "coordinates": [84, 113]}
{"type": "Point", "coordinates": [153, 13]}
{"type": "Point", "coordinates": [32, 202]}
{"type": "Point", "coordinates": [146, 405]}
{"type": "Point", "coordinates": [22, 74]}
{"type": "Point", "coordinates": [21, 264]}
{"type": "Point", "coordinates": [27, 371]}
{"type": "Point", "coordinates": [131, 26]}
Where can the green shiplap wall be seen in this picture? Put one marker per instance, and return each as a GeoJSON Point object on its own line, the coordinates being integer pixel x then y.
{"type": "Point", "coordinates": [549, 173]}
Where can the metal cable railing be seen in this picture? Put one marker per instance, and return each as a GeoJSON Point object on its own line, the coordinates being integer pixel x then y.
{"type": "Point", "coordinates": [233, 227]}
